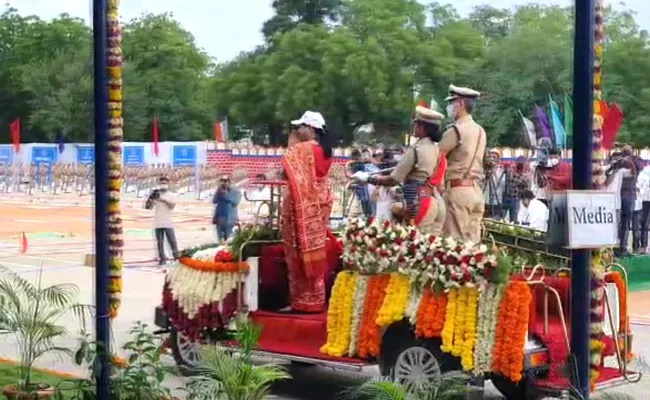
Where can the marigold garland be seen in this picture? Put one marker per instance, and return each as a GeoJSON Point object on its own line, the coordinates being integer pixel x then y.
{"type": "Point", "coordinates": [617, 279]}
{"type": "Point", "coordinates": [339, 315]}
{"type": "Point", "coordinates": [460, 322]}
{"type": "Point", "coordinates": [624, 323]}
{"type": "Point", "coordinates": [512, 325]}
{"type": "Point", "coordinates": [447, 334]}
{"type": "Point", "coordinates": [395, 301]}
{"type": "Point", "coordinates": [213, 266]}
{"type": "Point", "coordinates": [115, 239]}
{"type": "Point", "coordinates": [430, 318]}
{"type": "Point", "coordinates": [469, 339]}
{"type": "Point", "coordinates": [596, 326]}
{"type": "Point", "coordinates": [369, 331]}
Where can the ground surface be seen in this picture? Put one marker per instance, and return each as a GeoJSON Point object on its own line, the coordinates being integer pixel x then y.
{"type": "Point", "coordinates": [59, 233]}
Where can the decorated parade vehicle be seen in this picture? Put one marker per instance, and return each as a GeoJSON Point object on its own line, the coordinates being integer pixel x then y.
{"type": "Point", "coordinates": [413, 303]}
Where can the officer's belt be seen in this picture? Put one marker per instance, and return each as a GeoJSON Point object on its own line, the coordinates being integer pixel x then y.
{"type": "Point", "coordinates": [462, 182]}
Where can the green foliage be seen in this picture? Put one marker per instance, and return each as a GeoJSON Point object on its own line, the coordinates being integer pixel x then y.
{"type": "Point", "coordinates": [451, 386]}
{"type": "Point", "coordinates": [225, 375]}
{"type": "Point", "coordinates": [357, 61]}
{"type": "Point", "coordinates": [251, 233]}
{"type": "Point", "coordinates": [32, 314]}
{"type": "Point", "coordinates": [139, 377]}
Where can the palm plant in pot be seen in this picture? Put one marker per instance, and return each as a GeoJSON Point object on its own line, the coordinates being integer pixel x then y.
{"type": "Point", "coordinates": [32, 314]}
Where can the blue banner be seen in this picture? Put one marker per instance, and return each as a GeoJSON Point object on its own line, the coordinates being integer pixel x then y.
{"type": "Point", "coordinates": [133, 155]}
{"type": "Point", "coordinates": [44, 154]}
{"type": "Point", "coordinates": [183, 155]}
{"type": "Point", "coordinates": [85, 154]}
{"type": "Point", "coordinates": [6, 154]}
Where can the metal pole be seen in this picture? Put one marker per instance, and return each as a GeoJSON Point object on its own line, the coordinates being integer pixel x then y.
{"type": "Point", "coordinates": [102, 322]}
{"type": "Point", "coordinates": [583, 69]}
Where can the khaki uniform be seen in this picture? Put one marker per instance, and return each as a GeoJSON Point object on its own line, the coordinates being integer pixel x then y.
{"type": "Point", "coordinates": [415, 168]}
{"type": "Point", "coordinates": [464, 197]}
{"type": "Point", "coordinates": [427, 160]}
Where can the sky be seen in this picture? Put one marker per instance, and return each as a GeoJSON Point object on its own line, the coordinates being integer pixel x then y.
{"type": "Point", "coordinates": [224, 28]}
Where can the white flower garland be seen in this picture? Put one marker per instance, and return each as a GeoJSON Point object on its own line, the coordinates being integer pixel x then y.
{"type": "Point", "coordinates": [415, 298]}
{"type": "Point", "coordinates": [488, 308]}
{"type": "Point", "coordinates": [193, 288]}
{"type": "Point", "coordinates": [359, 298]}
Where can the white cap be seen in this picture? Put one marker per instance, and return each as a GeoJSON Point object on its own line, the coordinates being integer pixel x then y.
{"type": "Point", "coordinates": [456, 92]}
{"type": "Point", "coordinates": [310, 118]}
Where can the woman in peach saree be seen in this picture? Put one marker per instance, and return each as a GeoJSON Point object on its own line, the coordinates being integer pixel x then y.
{"type": "Point", "coordinates": [306, 207]}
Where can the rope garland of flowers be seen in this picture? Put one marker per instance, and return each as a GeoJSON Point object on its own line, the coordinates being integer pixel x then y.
{"type": "Point", "coordinates": [115, 230]}
{"type": "Point", "coordinates": [596, 345]}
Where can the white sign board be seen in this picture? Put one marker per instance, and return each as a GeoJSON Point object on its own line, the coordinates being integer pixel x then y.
{"type": "Point", "coordinates": [583, 219]}
{"type": "Point", "coordinates": [591, 218]}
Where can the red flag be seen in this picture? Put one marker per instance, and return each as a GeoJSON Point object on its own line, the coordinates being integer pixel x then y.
{"type": "Point", "coordinates": [611, 126]}
{"type": "Point", "coordinates": [155, 136]}
{"type": "Point", "coordinates": [23, 244]}
{"type": "Point", "coordinates": [218, 132]}
{"type": "Point", "coordinates": [15, 134]}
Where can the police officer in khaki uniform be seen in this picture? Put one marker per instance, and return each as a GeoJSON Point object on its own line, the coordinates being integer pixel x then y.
{"type": "Point", "coordinates": [418, 163]}
{"type": "Point", "coordinates": [464, 144]}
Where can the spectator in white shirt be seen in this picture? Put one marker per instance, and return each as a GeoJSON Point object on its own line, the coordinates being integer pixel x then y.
{"type": "Point", "coordinates": [643, 186]}
{"type": "Point", "coordinates": [532, 212]}
{"type": "Point", "coordinates": [161, 201]}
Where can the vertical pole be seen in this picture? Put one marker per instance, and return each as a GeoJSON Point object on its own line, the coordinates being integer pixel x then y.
{"type": "Point", "coordinates": [102, 322]}
{"type": "Point", "coordinates": [583, 63]}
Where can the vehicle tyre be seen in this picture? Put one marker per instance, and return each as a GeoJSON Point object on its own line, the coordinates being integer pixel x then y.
{"type": "Point", "coordinates": [523, 390]}
{"type": "Point", "coordinates": [185, 352]}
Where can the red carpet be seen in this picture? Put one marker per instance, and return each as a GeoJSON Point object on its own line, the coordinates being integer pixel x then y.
{"type": "Point", "coordinates": [295, 334]}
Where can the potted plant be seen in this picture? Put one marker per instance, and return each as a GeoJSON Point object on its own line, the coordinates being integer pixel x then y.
{"type": "Point", "coordinates": [231, 375]}
{"type": "Point", "coordinates": [31, 313]}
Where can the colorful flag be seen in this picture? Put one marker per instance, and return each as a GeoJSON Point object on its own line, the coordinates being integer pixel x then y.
{"type": "Point", "coordinates": [558, 126]}
{"type": "Point", "coordinates": [530, 135]}
{"type": "Point", "coordinates": [15, 134]}
{"type": "Point", "coordinates": [221, 130]}
{"type": "Point", "coordinates": [611, 125]}
{"type": "Point", "coordinates": [568, 116]}
{"type": "Point", "coordinates": [60, 139]}
{"type": "Point", "coordinates": [218, 135]}
{"type": "Point", "coordinates": [544, 126]}
{"type": "Point", "coordinates": [23, 244]}
{"type": "Point", "coordinates": [155, 136]}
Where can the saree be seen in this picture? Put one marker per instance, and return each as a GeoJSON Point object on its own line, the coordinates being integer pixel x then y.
{"type": "Point", "coordinates": [306, 207]}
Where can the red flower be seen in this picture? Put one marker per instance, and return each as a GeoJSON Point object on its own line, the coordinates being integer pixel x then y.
{"type": "Point", "coordinates": [479, 257]}
{"type": "Point", "coordinates": [412, 234]}
{"type": "Point", "coordinates": [432, 239]}
{"type": "Point", "coordinates": [465, 259]}
{"type": "Point", "coordinates": [371, 220]}
{"type": "Point", "coordinates": [398, 241]}
{"type": "Point", "coordinates": [386, 224]}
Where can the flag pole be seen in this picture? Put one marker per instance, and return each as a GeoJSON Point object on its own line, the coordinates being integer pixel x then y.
{"type": "Point", "coordinates": [583, 69]}
{"type": "Point", "coordinates": [100, 74]}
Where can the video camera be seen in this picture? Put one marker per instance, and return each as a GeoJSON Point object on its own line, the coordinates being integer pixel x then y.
{"type": "Point", "coordinates": [153, 196]}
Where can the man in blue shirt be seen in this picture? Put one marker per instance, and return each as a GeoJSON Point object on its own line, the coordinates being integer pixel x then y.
{"type": "Point", "coordinates": [225, 217]}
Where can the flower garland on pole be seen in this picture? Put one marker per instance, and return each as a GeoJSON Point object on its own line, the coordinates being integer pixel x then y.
{"type": "Point", "coordinates": [598, 178]}
{"type": "Point", "coordinates": [115, 240]}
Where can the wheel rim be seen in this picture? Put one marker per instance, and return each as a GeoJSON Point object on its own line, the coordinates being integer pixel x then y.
{"type": "Point", "coordinates": [417, 368]}
{"type": "Point", "coordinates": [188, 350]}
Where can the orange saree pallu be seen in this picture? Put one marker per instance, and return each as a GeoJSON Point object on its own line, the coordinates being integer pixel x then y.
{"type": "Point", "coordinates": [306, 206]}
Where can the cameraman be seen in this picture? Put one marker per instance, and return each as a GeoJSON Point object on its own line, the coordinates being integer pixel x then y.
{"type": "Point", "coordinates": [160, 200]}
{"type": "Point", "coordinates": [225, 217]}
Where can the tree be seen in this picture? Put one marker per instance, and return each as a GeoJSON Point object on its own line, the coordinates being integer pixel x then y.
{"type": "Point", "coordinates": [291, 13]}
{"type": "Point", "coordinates": [163, 73]}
